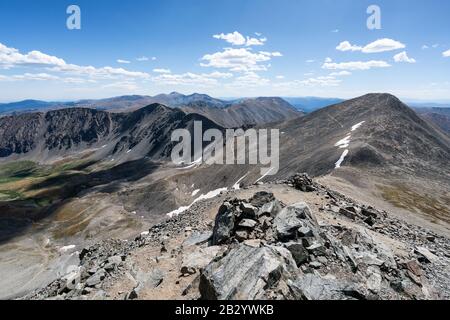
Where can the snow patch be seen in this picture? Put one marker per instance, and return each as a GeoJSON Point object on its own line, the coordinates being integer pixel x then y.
{"type": "Point", "coordinates": [267, 173]}
{"type": "Point", "coordinates": [195, 192]}
{"type": "Point", "coordinates": [344, 143]}
{"type": "Point", "coordinates": [356, 126]}
{"type": "Point", "coordinates": [209, 195]}
{"type": "Point", "coordinates": [341, 159]}
{"type": "Point", "coordinates": [237, 186]}
{"type": "Point", "coordinates": [67, 248]}
{"type": "Point", "coordinates": [129, 151]}
{"type": "Point", "coordinates": [145, 233]}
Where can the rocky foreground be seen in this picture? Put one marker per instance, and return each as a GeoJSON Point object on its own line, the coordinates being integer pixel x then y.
{"type": "Point", "coordinates": [315, 245]}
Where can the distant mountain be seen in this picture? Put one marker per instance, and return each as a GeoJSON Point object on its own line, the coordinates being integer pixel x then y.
{"type": "Point", "coordinates": [145, 132]}
{"type": "Point", "coordinates": [25, 106]}
{"type": "Point", "coordinates": [226, 113]}
{"type": "Point", "coordinates": [310, 104]}
{"type": "Point", "coordinates": [440, 116]}
{"type": "Point", "coordinates": [246, 112]}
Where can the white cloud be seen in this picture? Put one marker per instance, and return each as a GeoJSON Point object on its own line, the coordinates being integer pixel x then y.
{"type": "Point", "coordinates": [250, 79]}
{"type": "Point", "coordinates": [279, 77]}
{"type": "Point", "coordinates": [308, 74]}
{"type": "Point", "coordinates": [403, 57]}
{"type": "Point", "coordinates": [347, 46]}
{"type": "Point", "coordinates": [123, 61]}
{"type": "Point", "coordinates": [255, 42]}
{"type": "Point", "coordinates": [310, 61]}
{"type": "Point", "coordinates": [340, 74]}
{"type": "Point", "coordinates": [143, 58]}
{"type": "Point", "coordinates": [328, 59]}
{"type": "Point", "coordinates": [383, 45]}
{"type": "Point", "coordinates": [122, 85]}
{"type": "Point", "coordinates": [204, 79]}
{"type": "Point", "coordinates": [323, 81]}
{"type": "Point", "coordinates": [380, 45]}
{"type": "Point", "coordinates": [446, 54]}
{"type": "Point", "coordinates": [239, 60]}
{"type": "Point", "coordinates": [335, 30]}
{"type": "Point", "coordinates": [356, 65]}
{"type": "Point", "coordinates": [234, 38]}
{"type": "Point", "coordinates": [424, 47]}
{"type": "Point", "coordinates": [160, 70]}
{"type": "Point", "coordinates": [30, 76]}
{"type": "Point", "coordinates": [10, 58]}
{"type": "Point", "coordinates": [237, 39]}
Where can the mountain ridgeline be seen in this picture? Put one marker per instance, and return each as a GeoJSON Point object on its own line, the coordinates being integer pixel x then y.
{"type": "Point", "coordinates": [39, 136]}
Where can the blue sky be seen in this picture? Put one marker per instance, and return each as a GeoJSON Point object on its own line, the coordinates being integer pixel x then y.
{"type": "Point", "coordinates": [224, 48]}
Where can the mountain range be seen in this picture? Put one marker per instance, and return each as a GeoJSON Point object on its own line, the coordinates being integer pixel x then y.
{"type": "Point", "coordinates": [71, 177]}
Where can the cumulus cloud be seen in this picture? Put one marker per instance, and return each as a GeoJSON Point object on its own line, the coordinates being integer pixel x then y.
{"type": "Point", "coordinates": [380, 45]}
{"type": "Point", "coordinates": [403, 57]}
{"type": "Point", "coordinates": [234, 38]}
{"type": "Point", "coordinates": [323, 81]}
{"type": "Point", "coordinates": [11, 57]}
{"type": "Point", "coordinates": [237, 39]}
{"type": "Point", "coordinates": [160, 70]}
{"type": "Point", "coordinates": [250, 79]}
{"type": "Point", "coordinates": [239, 60]}
{"type": "Point", "coordinates": [347, 46]}
{"type": "Point", "coordinates": [30, 76]}
{"type": "Point", "coordinates": [446, 54]}
{"type": "Point", "coordinates": [356, 65]}
{"type": "Point", "coordinates": [189, 78]}
{"type": "Point", "coordinates": [340, 74]}
{"type": "Point", "coordinates": [123, 61]}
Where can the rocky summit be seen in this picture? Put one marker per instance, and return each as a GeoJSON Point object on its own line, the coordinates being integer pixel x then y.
{"type": "Point", "coordinates": [300, 240]}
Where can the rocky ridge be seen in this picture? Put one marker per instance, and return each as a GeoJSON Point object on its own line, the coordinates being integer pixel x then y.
{"type": "Point", "coordinates": [261, 248]}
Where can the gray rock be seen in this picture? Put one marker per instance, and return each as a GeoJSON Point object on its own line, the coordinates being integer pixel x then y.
{"type": "Point", "coordinates": [197, 238]}
{"type": "Point", "coordinates": [97, 278]}
{"type": "Point", "coordinates": [248, 223]}
{"type": "Point", "coordinates": [425, 255]}
{"type": "Point", "coordinates": [315, 287]}
{"type": "Point", "coordinates": [261, 198]}
{"type": "Point", "coordinates": [289, 220]}
{"type": "Point", "coordinates": [271, 209]}
{"type": "Point", "coordinates": [299, 253]}
{"type": "Point", "coordinates": [113, 262]}
{"type": "Point", "coordinates": [248, 210]}
{"type": "Point", "coordinates": [224, 224]}
{"type": "Point", "coordinates": [247, 273]}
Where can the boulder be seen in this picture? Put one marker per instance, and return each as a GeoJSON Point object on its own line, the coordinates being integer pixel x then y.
{"type": "Point", "coordinates": [303, 182]}
{"type": "Point", "coordinates": [261, 198]}
{"type": "Point", "coordinates": [248, 223]}
{"type": "Point", "coordinates": [224, 224]}
{"type": "Point", "coordinates": [96, 279]}
{"type": "Point", "coordinates": [291, 219]}
{"type": "Point", "coordinates": [298, 251]}
{"type": "Point", "coordinates": [314, 287]}
{"type": "Point", "coordinates": [247, 273]}
{"type": "Point", "coordinates": [425, 256]}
